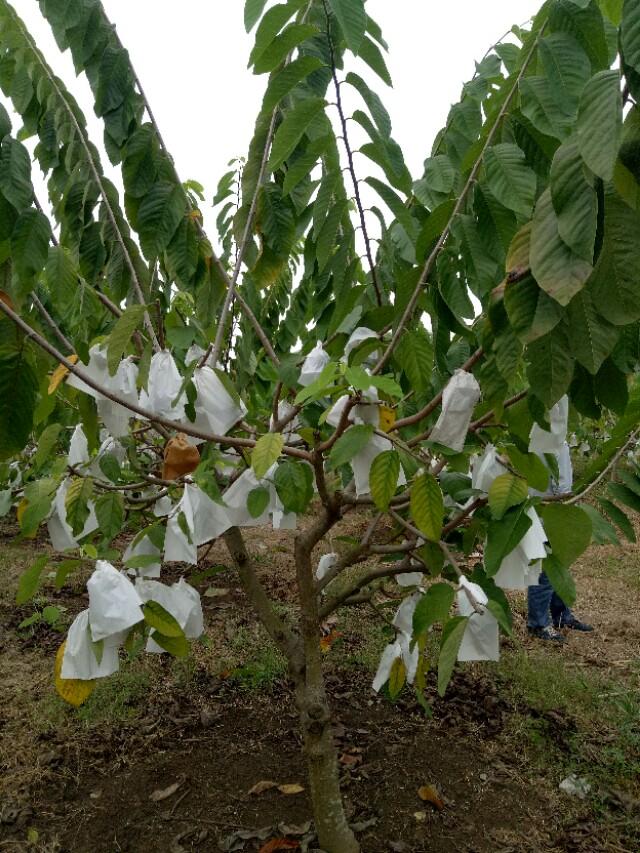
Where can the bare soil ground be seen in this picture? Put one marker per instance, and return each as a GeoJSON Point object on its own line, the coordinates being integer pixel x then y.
{"type": "Point", "coordinates": [163, 755]}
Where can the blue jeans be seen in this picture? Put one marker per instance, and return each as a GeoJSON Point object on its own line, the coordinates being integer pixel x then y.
{"type": "Point", "coordinates": [545, 605]}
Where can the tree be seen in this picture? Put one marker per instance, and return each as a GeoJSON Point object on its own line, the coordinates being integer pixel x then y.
{"type": "Point", "coordinates": [284, 370]}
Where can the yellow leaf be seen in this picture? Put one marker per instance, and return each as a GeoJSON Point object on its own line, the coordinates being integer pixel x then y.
{"type": "Point", "coordinates": [290, 790]}
{"type": "Point", "coordinates": [20, 511]}
{"type": "Point", "coordinates": [72, 690]}
{"type": "Point", "coordinates": [387, 418]}
{"type": "Point", "coordinates": [59, 374]}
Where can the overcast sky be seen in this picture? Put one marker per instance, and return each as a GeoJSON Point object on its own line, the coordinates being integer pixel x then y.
{"type": "Point", "coordinates": [191, 58]}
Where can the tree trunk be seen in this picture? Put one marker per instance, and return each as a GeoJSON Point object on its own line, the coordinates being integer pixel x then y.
{"type": "Point", "coordinates": [334, 832]}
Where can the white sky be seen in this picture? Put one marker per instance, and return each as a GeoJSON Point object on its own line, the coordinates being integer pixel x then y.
{"type": "Point", "coordinates": [191, 58]}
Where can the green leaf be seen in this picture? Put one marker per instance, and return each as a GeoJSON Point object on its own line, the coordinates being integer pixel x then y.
{"type": "Point", "coordinates": [604, 532]}
{"type": "Point", "coordinates": [294, 485]}
{"type": "Point", "coordinates": [177, 646]}
{"type": "Point", "coordinates": [266, 452]}
{"type": "Point", "coordinates": [30, 244]}
{"type": "Point", "coordinates": [600, 123]}
{"type": "Point", "coordinates": [558, 270]}
{"type": "Point", "coordinates": [258, 501]}
{"type": "Point", "coordinates": [252, 11]}
{"type": "Point", "coordinates": [510, 179]}
{"type": "Point", "coordinates": [531, 467]}
{"type": "Point", "coordinates": [614, 283]}
{"type": "Point", "coordinates": [46, 442]}
{"type": "Point", "coordinates": [6, 502]}
{"type": "Point", "coordinates": [383, 478]}
{"type": "Point", "coordinates": [320, 386]}
{"type": "Point", "coordinates": [561, 580]}
{"type": "Point", "coordinates": [64, 569]}
{"type": "Point", "coordinates": [452, 635]}
{"type": "Point", "coordinates": [503, 535]}
{"type": "Point", "coordinates": [506, 491]}
{"type": "Point", "coordinates": [427, 506]}
{"type": "Point", "coordinates": [567, 67]}
{"type": "Point", "coordinates": [157, 617]}
{"type": "Point", "coordinates": [39, 496]}
{"type": "Point", "coordinates": [352, 18]}
{"type": "Point", "coordinates": [159, 215]}
{"type": "Point", "coordinates": [18, 397]}
{"type": "Point", "coordinates": [592, 337]}
{"type": "Point", "coordinates": [293, 128]}
{"type": "Point", "coordinates": [30, 580]}
{"type": "Point", "coordinates": [121, 334]}
{"type": "Point", "coordinates": [370, 53]}
{"type": "Point", "coordinates": [284, 81]}
{"type": "Point", "coordinates": [625, 495]}
{"type": "Point", "coordinates": [110, 514]}
{"type": "Point", "coordinates": [551, 366]}
{"type": "Point", "coordinates": [328, 237]}
{"type": "Point", "coordinates": [15, 174]}
{"type": "Point", "coordinates": [619, 518]}
{"type": "Point", "coordinates": [282, 45]}
{"type": "Point", "coordinates": [79, 494]}
{"type": "Point", "coordinates": [575, 201]}
{"type": "Point", "coordinates": [397, 678]}
{"type": "Point", "coordinates": [630, 34]}
{"type": "Point", "coordinates": [351, 442]}
{"type": "Point", "coordinates": [377, 109]}
{"type": "Point", "coordinates": [434, 606]}
{"type": "Point", "coordinates": [414, 353]}
{"type": "Point", "coordinates": [568, 529]}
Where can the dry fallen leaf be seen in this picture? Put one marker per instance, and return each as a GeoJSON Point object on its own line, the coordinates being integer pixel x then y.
{"type": "Point", "coordinates": [261, 787]}
{"type": "Point", "coordinates": [290, 790]}
{"type": "Point", "coordinates": [59, 374]}
{"type": "Point", "coordinates": [165, 793]}
{"type": "Point", "coordinates": [72, 690]}
{"type": "Point", "coordinates": [420, 816]}
{"type": "Point", "coordinates": [279, 844]}
{"type": "Point", "coordinates": [180, 458]}
{"type": "Point", "coordinates": [216, 592]}
{"type": "Point", "coordinates": [430, 795]}
{"type": "Point", "coordinates": [329, 639]}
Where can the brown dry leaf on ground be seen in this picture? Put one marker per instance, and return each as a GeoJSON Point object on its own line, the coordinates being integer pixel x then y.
{"type": "Point", "coordinates": [279, 844]}
{"type": "Point", "coordinates": [164, 793]}
{"type": "Point", "coordinates": [429, 794]}
{"type": "Point", "coordinates": [261, 787]}
{"type": "Point", "coordinates": [290, 790]}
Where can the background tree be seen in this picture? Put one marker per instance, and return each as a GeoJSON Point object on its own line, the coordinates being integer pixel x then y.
{"type": "Point", "coordinates": [453, 319]}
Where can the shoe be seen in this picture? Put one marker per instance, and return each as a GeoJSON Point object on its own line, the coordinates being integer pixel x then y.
{"type": "Point", "coordinates": [547, 633]}
{"type": "Point", "coordinates": [574, 624]}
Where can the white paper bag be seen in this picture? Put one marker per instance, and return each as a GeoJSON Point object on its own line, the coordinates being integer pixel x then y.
{"type": "Point", "coordinates": [163, 387]}
{"type": "Point", "coordinates": [79, 660]}
{"type": "Point", "coordinates": [60, 532]}
{"type": "Point", "coordinates": [216, 410]}
{"type": "Point", "coordinates": [389, 656]}
{"type": "Point", "coordinates": [403, 620]}
{"type": "Point", "coordinates": [78, 448]}
{"type": "Point", "coordinates": [409, 579]}
{"type": "Point", "coordinates": [96, 369]}
{"type": "Point", "coordinates": [313, 365]}
{"type": "Point", "coordinates": [116, 417]}
{"type": "Point", "coordinates": [143, 548]}
{"type": "Point", "coordinates": [459, 399]}
{"type": "Point", "coordinates": [481, 637]}
{"type": "Point", "coordinates": [485, 469]}
{"type": "Point", "coordinates": [114, 604]}
{"type": "Point", "coordinates": [181, 547]}
{"type": "Point", "coordinates": [326, 563]}
{"type": "Point", "coordinates": [181, 600]}
{"type": "Point", "coordinates": [541, 441]}
{"type": "Point", "coordinates": [363, 460]}
{"type": "Point", "coordinates": [357, 337]}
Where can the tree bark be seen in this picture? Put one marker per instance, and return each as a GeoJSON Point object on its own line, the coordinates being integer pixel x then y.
{"type": "Point", "coordinates": [334, 832]}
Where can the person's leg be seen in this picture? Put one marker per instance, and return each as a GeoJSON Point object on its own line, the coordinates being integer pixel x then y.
{"type": "Point", "coordinates": [539, 605]}
{"type": "Point", "coordinates": [560, 613]}
{"type": "Point", "coordinates": [539, 600]}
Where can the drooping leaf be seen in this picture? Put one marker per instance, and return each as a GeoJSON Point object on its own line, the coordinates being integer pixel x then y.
{"type": "Point", "coordinates": [509, 177]}
{"type": "Point", "coordinates": [349, 444]}
{"type": "Point", "coordinates": [159, 618]}
{"type": "Point", "coordinates": [506, 491]}
{"type": "Point", "coordinates": [121, 335]}
{"type": "Point", "coordinates": [561, 580]}
{"type": "Point", "coordinates": [434, 606]}
{"type": "Point", "coordinates": [568, 529]}
{"type": "Point", "coordinates": [30, 580]}
{"type": "Point", "coordinates": [294, 485]}
{"type": "Point", "coordinates": [110, 514]}
{"type": "Point", "coordinates": [600, 123]}
{"type": "Point", "coordinates": [258, 501]}
{"type": "Point", "coordinates": [352, 18]}
{"type": "Point", "coordinates": [266, 452]}
{"type": "Point", "coordinates": [452, 635]}
{"type": "Point", "coordinates": [293, 128]}
{"type": "Point", "coordinates": [427, 506]}
{"type": "Point", "coordinates": [383, 478]}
